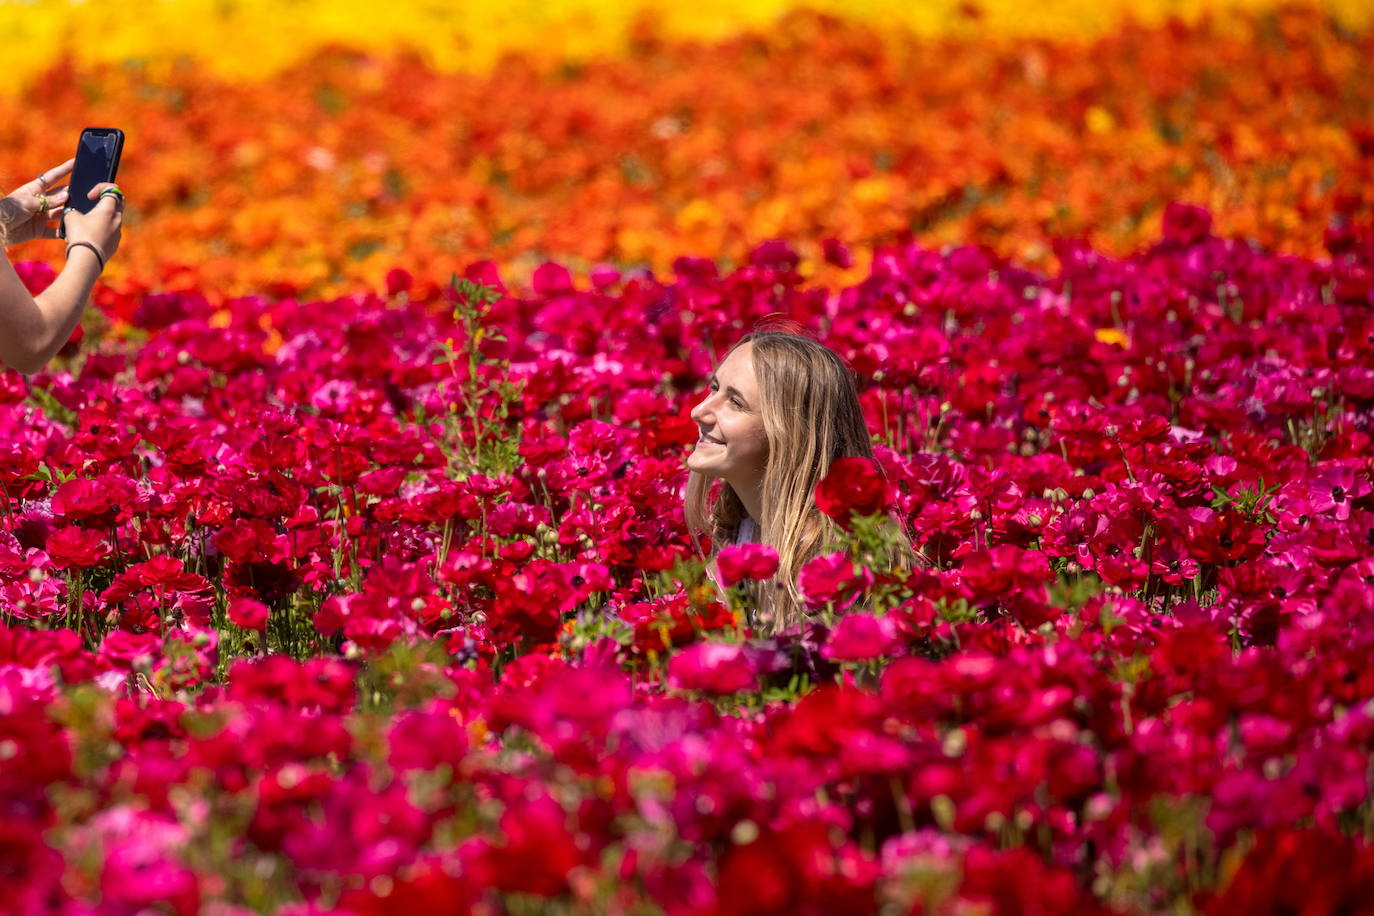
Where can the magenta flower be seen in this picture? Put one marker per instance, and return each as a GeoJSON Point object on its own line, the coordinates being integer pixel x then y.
{"type": "Point", "coordinates": [128, 651]}
{"type": "Point", "coordinates": [1335, 488]}
{"type": "Point", "coordinates": [861, 638]}
{"type": "Point", "coordinates": [1186, 224]}
{"type": "Point", "coordinates": [248, 613]}
{"type": "Point", "coordinates": [712, 667]}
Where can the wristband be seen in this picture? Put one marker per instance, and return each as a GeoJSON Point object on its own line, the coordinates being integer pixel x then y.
{"type": "Point", "coordinates": [94, 250]}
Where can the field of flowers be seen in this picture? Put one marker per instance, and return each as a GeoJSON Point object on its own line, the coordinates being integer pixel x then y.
{"type": "Point", "coordinates": [343, 567]}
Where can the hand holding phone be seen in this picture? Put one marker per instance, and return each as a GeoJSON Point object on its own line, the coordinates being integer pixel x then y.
{"type": "Point", "coordinates": [85, 222]}
{"type": "Point", "coordinates": [97, 160]}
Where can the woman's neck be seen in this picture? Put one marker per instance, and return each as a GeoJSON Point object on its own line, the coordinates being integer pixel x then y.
{"type": "Point", "coordinates": [751, 497]}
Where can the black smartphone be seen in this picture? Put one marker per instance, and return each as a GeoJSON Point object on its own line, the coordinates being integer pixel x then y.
{"type": "Point", "coordinates": [97, 160]}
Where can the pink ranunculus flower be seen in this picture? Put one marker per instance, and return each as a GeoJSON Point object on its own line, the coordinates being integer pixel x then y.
{"type": "Point", "coordinates": [141, 866]}
{"type": "Point", "coordinates": [1333, 490]}
{"type": "Point", "coordinates": [746, 561]}
{"type": "Point", "coordinates": [126, 651]}
{"type": "Point", "coordinates": [832, 577]}
{"type": "Point", "coordinates": [712, 667]}
{"type": "Point", "coordinates": [861, 638]}
{"type": "Point", "coordinates": [249, 613]}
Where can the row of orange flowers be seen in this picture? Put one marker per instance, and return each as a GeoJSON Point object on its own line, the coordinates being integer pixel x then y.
{"type": "Point", "coordinates": [330, 174]}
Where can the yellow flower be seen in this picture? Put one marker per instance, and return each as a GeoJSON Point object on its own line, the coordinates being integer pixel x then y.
{"type": "Point", "coordinates": [478, 732]}
{"type": "Point", "coordinates": [874, 191]}
{"type": "Point", "coordinates": [698, 215]}
{"type": "Point", "coordinates": [250, 38]}
{"type": "Point", "coordinates": [1099, 120]}
{"type": "Point", "coordinates": [1113, 337]}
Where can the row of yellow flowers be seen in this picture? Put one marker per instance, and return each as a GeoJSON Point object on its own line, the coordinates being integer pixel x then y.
{"type": "Point", "coordinates": [335, 170]}
{"type": "Point", "coordinates": [254, 37]}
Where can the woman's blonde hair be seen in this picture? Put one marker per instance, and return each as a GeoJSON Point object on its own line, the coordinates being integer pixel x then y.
{"type": "Point", "coordinates": [811, 416]}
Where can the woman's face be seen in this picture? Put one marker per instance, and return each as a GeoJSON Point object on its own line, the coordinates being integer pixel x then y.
{"type": "Point", "coordinates": [733, 445]}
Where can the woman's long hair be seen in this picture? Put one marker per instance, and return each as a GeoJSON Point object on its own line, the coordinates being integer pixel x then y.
{"type": "Point", "coordinates": [811, 416]}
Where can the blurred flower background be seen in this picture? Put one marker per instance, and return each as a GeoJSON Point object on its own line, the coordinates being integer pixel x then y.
{"type": "Point", "coordinates": [313, 146]}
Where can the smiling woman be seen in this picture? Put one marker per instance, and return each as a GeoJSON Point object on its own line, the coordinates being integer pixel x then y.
{"type": "Point", "coordinates": [780, 411]}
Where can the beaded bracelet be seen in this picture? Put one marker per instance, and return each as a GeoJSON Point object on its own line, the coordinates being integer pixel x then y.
{"type": "Point", "coordinates": [94, 250]}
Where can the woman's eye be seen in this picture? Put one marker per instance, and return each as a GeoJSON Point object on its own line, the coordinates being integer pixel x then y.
{"type": "Point", "coordinates": [737, 403]}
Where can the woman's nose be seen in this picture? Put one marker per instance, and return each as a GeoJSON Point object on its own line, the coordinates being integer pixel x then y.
{"type": "Point", "coordinates": [702, 411]}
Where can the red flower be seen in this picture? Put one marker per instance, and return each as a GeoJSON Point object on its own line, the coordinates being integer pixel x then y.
{"type": "Point", "coordinates": [673, 621]}
{"type": "Point", "coordinates": [746, 561]}
{"type": "Point", "coordinates": [854, 486]}
{"type": "Point", "coordinates": [427, 886]}
{"type": "Point", "coordinates": [169, 573]}
{"type": "Point", "coordinates": [73, 344]}
{"type": "Point", "coordinates": [77, 547]}
{"type": "Point", "coordinates": [1018, 881]}
{"type": "Point", "coordinates": [825, 721]}
{"type": "Point", "coordinates": [1222, 537]}
{"type": "Point", "coordinates": [245, 540]}
{"type": "Point", "coordinates": [1187, 651]}
{"type": "Point", "coordinates": [537, 855]}
{"type": "Point", "coordinates": [1185, 224]}
{"type": "Point", "coordinates": [833, 577]}
{"type": "Point", "coordinates": [836, 253]}
{"type": "Point", "coordinates": [398, 281]}
{"type": "Point", "coordinates": [80, 499]}
{"type": "Point", "coordinates": [1300, 871]}
{"type": "Point", "coordinates": [757, 878]}
{"type": "Point", "coordinates": [1003, 571]}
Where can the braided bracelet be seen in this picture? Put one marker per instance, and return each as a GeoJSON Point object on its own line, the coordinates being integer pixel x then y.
{"type": "Point", "coordinates": [94, 250]}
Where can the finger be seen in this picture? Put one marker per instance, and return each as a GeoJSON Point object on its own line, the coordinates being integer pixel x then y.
{"type": "Point", "coordinates": [109, 206]}
{"type": "Point", "coordinates": [49, 177]}
{"type": "Point", "coordinates": [101, 188]}
{"type": "Point", "coordinates": [47, 205]}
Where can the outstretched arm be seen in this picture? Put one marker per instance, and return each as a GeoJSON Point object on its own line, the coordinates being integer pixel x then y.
{"type": "Point", "coordinates": [34, 328]}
